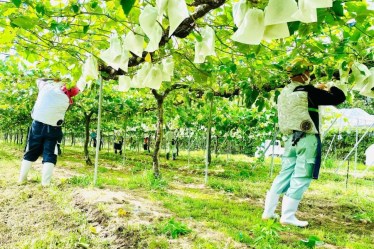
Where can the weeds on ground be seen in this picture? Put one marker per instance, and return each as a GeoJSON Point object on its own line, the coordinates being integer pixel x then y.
{"type": "Point", "coordinates": [173, 229]}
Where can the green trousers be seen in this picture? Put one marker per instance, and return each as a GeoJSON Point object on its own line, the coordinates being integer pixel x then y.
{"type": "Point", "coordinates": [297, 167]}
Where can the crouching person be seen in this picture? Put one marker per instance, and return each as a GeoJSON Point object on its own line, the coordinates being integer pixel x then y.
{"type": "Point", "coordinates": [299, 119]}
{"type": "Point", "coordinates": [48, 115]}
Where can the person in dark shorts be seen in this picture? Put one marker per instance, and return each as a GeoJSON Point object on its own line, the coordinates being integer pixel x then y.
{"type": "Point", "coordinates": [48, 115]}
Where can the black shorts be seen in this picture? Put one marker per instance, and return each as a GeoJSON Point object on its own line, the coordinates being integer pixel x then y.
{"type": "Point", "coordinates": [43, 140]}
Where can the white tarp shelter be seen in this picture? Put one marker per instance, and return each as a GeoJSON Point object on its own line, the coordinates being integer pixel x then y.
{"type": "Point", "coordinates": [351, 119]}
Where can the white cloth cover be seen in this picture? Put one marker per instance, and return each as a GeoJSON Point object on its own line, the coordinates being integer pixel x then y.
{"type": "Point", "coordinates": [276, 31]}
{"type": "Point", "coordinates": [51, 104]}
{"type": "Point", "coordinates": [124, 83]}
{"type": "Point", "coordinates": [148, 22]}
{"type": "Point", "coordinates": [360, 73]}
{"type": "Point", "coordinates": [134, 42]}
{"type": "Point", "coordinates": [139, 79]}
{"type": "Point", "coordinates": [177, 12]}
{"type": "Point", "coordinates": [239, 10]}
{"type": "Point", "coordinates": [280, 11]}
{"type": "Point", "coordinates": [154, 77]}
{"type": "Point", "coordinates": [368, 89]}
{"type": "Point", "coordinates": [206, 46]}
{"type": "Point", "coordinates": [293, 110]}
{"type": "Point", "coordinates": [112, 55]}
{"type": "Point", "coordinates": [319, 3]}
{"type": "Point", "coordinates": [252, 28]}
{"type": "Point", "coordinates": [167, 69]}
{"type": "Point", "coordinates": [305, 13]}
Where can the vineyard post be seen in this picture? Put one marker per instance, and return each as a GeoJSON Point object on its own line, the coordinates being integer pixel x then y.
{"type": "Point", "coordinates": [100, 81]}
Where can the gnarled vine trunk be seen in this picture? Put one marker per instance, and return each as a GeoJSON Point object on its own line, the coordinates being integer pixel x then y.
{"type": "Point", "coordinates": [160, 124]}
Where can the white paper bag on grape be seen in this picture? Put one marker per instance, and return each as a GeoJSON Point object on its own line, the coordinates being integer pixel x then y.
{"type": "Point", "coordinates": [276, 31]}
{"type": "Point", "coordinates": [167, 69]}
{"type": "Point", "coordinates": [368, 89]}
{"type": "Point", "coordinates": [280, 11]}
{"type": "Point", "coordinates": [206, 46]}
{"type": "Point", "coordinates": [319, 3]}
{"type": "Point", "coordinates": [134, 42]}
{"type": "Point", "coordinates": [252, 28]}
{"type": "Point", "coordinates": [112, 55]}
{"type": "Point", "coordinates": [124, 83]}
{"type": "Point", "coordinates": [89, 72]}
{"type": "Point", "coordinates": [360, 73]}
{"type": "Point", "coordinates": [139, 79]}
{"type": "Point", "coordinates": [239, 10]}
{"type": "Point", "coordinates": [154, 77]}
{"type": "Point", "coordinates": [148, 22]}
{"type": "Point", "coordinates": [177, 12]}
{"type": "Point", "coordinates": [305, 13]}
{"type": "Point", "coordinates": [161, 8]}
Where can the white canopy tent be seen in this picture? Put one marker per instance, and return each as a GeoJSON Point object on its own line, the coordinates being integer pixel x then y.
{"type": "Point", "coordinates": [346, 119]}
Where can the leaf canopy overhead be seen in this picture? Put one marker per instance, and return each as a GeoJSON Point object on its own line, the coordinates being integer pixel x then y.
{"type": "Point", "coordinates": [54, 38]}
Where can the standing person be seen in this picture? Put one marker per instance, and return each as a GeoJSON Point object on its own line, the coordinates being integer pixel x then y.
{"type": "Point", "coordinates": [93, 138]}
{"type": "Point", "coordinates": [168, 141]}
{"type": "Point", "coordinates": [101, 143]}
{"type": "Point", "coordinates": [145, 143]}
{"type": "Point", "coordinates": [299, 119]}
{"type": "Point", "coordinates": [149, 144]}
{"type": "Point", "coordinates": [48, 115]}
{"type": "Point", "coordinates": [174, 149]}
{"type": "Point", "coordinates": [118, 146]}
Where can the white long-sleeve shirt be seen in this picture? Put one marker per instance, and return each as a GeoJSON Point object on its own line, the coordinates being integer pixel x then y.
{"type": "Point", "coordinates": [51, 104]}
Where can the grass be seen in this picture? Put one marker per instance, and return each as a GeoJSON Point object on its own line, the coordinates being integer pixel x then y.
{"type": "Point", "coordinates": [230, 204]}
{"type": "Point", "coordinates": [173, 229]}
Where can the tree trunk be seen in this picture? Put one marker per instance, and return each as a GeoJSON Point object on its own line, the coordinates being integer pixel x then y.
{"type": "Point", "coordinates": [87, 119]}
{"type": "Point", "coordinates": [22, 136]}
{"type": "Point", "coordinates": [160, 124]}
{"type": "Point", "coordinates": [124, 146]}
{"type": "Point", "coordinates": [139, 140]}
{"type": "Point", "coordinates": [208, 154]}
{"type": "Point", "coordinates": [216, 147]}
{"type": "Point", "coordinates": [189, 145]}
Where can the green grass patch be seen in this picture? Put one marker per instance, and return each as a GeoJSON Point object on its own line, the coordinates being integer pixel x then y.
{"type": "Point", "coordinates": [231, 203]}
{"type": "Point", "coordinates": [173, 229]}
